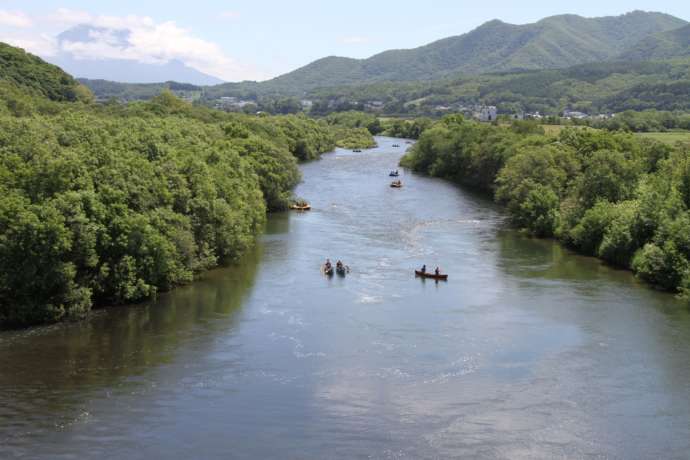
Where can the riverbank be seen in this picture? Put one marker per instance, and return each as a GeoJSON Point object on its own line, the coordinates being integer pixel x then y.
{"type": "Point", "coordinates": [115, 203]}
{"type": "Point", "coordinates": [526, 344]}
{"type": "Point", "coordinates": [615, 196]}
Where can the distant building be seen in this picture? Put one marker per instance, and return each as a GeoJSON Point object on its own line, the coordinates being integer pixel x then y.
{"type": "Point", "coordinates": [518, 116]}
{"type": "Point", "coordinates": [229, 103]}
{"type": "Point", "coordinates": [574, 114]}
{"type": "Point", "coordinates": [306, 104]}
{"type": "Point", "coordinates": [485, 113]}
{"type": "Point", "coordinates": [375, 106]}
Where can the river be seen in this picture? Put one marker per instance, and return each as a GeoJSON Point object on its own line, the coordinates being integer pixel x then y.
{"type": "Point", "coordinates": [528, 351]}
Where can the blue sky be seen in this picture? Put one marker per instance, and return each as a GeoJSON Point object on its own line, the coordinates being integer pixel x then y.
{"type": "Point", "coordinates": [241, 39]}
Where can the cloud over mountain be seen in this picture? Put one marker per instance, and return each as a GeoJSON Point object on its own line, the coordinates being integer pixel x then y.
{"type": "Point", "coordinates": [132, 39]}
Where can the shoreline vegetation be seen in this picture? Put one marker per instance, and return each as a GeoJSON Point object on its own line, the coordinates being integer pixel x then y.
{"type": "Point", "coordinates": [108, 204]}
{"type": "Point", "coordinates": [617, 196]}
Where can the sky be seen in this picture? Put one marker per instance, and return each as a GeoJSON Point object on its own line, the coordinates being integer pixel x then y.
{"type": "Point", "coordinates": [255, 40]}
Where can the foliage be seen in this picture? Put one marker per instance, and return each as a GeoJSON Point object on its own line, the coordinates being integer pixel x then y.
{"type": "Point", "coordinates": [354, 138]}
{"type": "Point", "coordinates": [34, 75]}
{"type": "Point", "coordinates": [109, 204]}
{"type": "Point", "coordinates": [615, 196]}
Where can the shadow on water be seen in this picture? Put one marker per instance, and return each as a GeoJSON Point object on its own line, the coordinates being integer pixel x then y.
{"type": "Point", "coordinates": [54, 370]}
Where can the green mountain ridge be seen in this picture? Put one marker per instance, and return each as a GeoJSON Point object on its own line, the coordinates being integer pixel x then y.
{"type": "Point", "coordinates": [667, 45]}
{"type": "Point", "coordinates": [554, 42]}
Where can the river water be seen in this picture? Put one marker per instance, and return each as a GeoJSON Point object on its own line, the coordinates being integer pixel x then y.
{"type": "Point", "coordinates": [528, 351]}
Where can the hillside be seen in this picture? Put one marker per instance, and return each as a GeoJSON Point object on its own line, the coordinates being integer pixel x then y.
{"type": "Point", "coordinates": [595, 88]}
{"type": "Point", "coordinates": [34, 75]}
{"type": "Point", "coordinates": [671, 44]}
{"type": "Point", "coordinates": [554, 42]}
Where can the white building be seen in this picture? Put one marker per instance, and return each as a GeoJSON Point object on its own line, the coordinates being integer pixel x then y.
{"type": "Point", "coordinates": [485, 113]}
{"type": "Point", "coordinates": [574, 114]}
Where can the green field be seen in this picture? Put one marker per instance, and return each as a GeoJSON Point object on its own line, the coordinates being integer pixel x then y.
{"type": "Point", "coordinates": [555, 130]}
{"type": "Point", "coordinates": [669, 137]}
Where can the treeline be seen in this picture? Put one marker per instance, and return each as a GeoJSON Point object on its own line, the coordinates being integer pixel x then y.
{"type": "Point", "coordinates": [623, 199]}
{"type": "Point", "coordinates": [110, 204]}
{"type": "Point", "coordinates": [128, 92]}
{"type": "Point", "coordinates": [645, 121]}
{"type": "Point", "coordinates": [592, 88]}
{"type": "Point", "coordinates": [393, 127]}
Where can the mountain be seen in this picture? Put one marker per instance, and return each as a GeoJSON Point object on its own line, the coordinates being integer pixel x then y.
{"type": "Point", "coordinates": [554, 42]}
{"type": "Point", "coordinates": [74, 41]}
{"type": "Point", "coordinates": [666, 45]}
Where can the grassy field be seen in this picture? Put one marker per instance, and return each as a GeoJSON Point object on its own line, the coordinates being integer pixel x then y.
{"type": "Point", "coordinates": [669, 137]}
{"type": "Point", "coordinates": [555, 130]}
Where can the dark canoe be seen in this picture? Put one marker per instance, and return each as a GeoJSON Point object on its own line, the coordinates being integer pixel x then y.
{"type": "Point", "coordinates": [394, 174]}
{"type": "Point", "coordinates": [432, 276]}
{"type": "Point", "coordinates": [396, 185]}
{"type": "Point", "coordinates": [341, 271]}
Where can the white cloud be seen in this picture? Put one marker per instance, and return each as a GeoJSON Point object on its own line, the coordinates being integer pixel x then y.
{"type": "Point", "coordinates": [147, 41]}
{"type": "Point", "coordinates": [14, 19]}
{"type": "Point", "coordinates": [355, 40]}
{"type": "Point", "coordinates": [41, 45]}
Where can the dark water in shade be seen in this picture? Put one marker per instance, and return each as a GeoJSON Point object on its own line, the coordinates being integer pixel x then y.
{"type": "Point", "coordinates": [527, 352]}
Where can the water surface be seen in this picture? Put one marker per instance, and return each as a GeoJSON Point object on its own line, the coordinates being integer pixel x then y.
{"type": "Point", "coordinates": [528, 351]}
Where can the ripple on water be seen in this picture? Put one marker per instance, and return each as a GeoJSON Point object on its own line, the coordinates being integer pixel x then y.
{"type": "Point", "coordinates": [367, 299]}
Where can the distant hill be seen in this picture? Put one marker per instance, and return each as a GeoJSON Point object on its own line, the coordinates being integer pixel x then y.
{"type": "Point", "coordinates": [104, 89]}
{"type": "Point", "coordinates": [34, 75]}
{"type": "Point", "coordinates": [554, 42]}
{"type": "Point", "coordinates": [593, 88]}
{"type": "Point", "coordinates": [120, 70]}
{"type": "Point", "coordinates": [666, 45]}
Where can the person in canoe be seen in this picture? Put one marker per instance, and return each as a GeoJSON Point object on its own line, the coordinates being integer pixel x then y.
{"type": "Point", "coordinates": [423, 270]}
{"type": "Point", "coordinates": [437, 271]}
{"type": "Point", "coordinates": [327, 268]}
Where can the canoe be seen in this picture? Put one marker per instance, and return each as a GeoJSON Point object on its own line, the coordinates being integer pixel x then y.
{"type": "Point", "coordinates": [297, 207]}
{"type": "Point", "coordinates": [341, 271]}
{"type": "Point", "coordinates": [394, 174]}
{"type": "Point", "coordinates": [432, 276]}
{"type": "Point", "coordinates": [327, 271]}
{"type": "Point", "coordinates": [396, 185]}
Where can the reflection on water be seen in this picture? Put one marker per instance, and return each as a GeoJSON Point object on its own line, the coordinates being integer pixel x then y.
{"type": "Point", "coordinates": [528, 351]}
{"type": "Point", "coordinates": [48, 373]}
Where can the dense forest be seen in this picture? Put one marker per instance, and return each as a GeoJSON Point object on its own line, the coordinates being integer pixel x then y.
{"type": "Point", "coordinates": [612, 195]}
{"type": "Point", "coordinates": [593, 88]}
{"type": "Point", "coordinates": [106, 204]}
